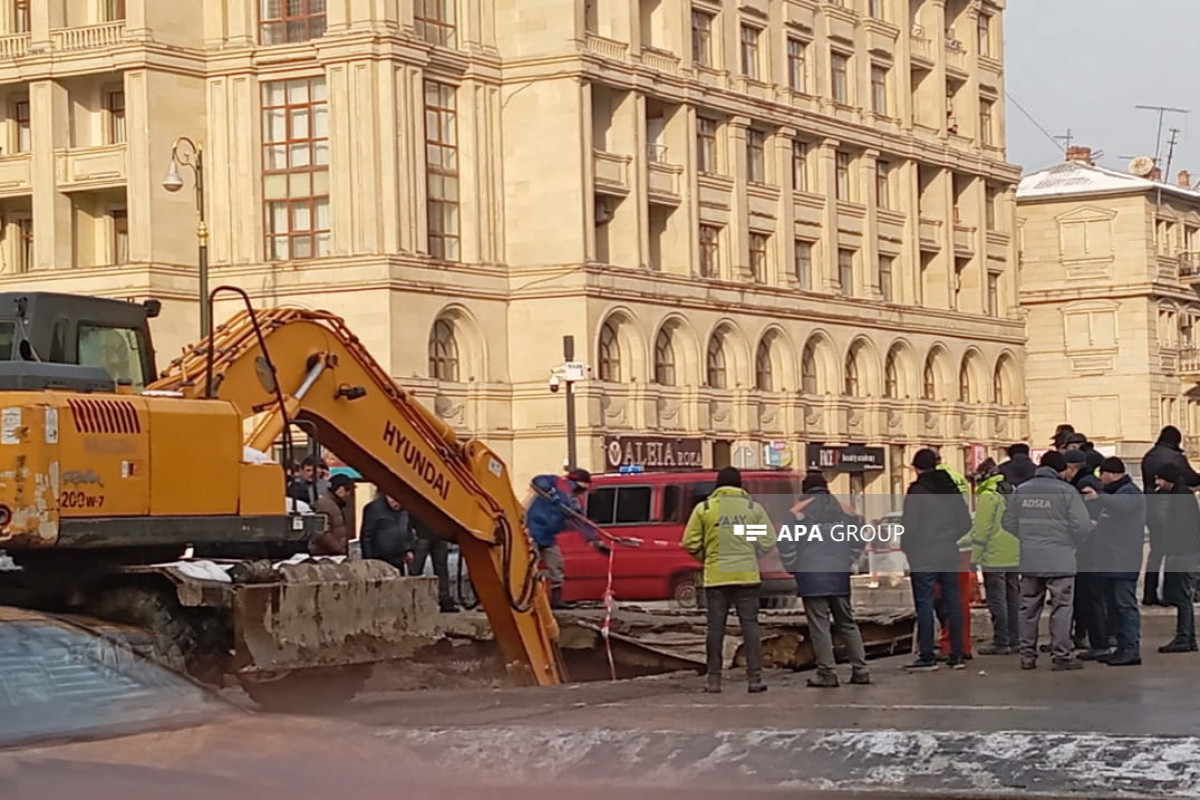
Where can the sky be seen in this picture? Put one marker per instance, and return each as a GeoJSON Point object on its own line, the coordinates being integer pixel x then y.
{"type": "Point", "coordinates": [1083, 66]}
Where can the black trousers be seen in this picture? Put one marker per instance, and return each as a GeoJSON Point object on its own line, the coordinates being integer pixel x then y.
{"type": "Point", "coordinates": [1154, 563]}
{"type": "Point", "coordinates": [745, 600]}
{"type": "Point", "coordinates": [439, 549]}
{"type": "Point", "coordinates": [1092, 609]}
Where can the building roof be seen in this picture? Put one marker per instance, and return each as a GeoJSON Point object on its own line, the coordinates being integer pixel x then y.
{"type": "Point", "coordinates": [1074, 178]}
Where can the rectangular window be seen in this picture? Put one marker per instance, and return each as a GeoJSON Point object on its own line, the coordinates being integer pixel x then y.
{"type": "Point", "coordinates": [796, 73]}
{"type": "Point", "coordinates": [804, 266]}
{"type": "Point", "coordinates": [879, 90]}
{"type": "Point", "coordinates": [800, 166]}
{"type": "Point", "coordinates": [993, 294]}
{"type": "Point", "coordinates": [702, 25]}
{"type": "Point", "coordinates": [114, 10]}
{"type": "Point", "coordinates": [991, 205]}
{"type": "Point", "coordinates": [750, 36]}
{"type": "Point", "coordinates": [282, 21]}
{"type": "Point", "coordinates": [295, 120]}
{"type": "Point", "coordinates": [756, 156]}
{"type": "Point", "coordinates": [441, 165]}
{"type": "Point", "coordinates": [758, 257]}
{"type": "Point", "coordinates": [843, 177]}
{"type": "Point", "coordinates": [24, 244]}
{"type": "Point", "coordinates": [840, 68]}
{"type": "Point", "coordinates": [985, 35]}
{"type": "Point", "coordinates": [886, 264]}
{"type": "Point", "coordinates": [120, 236]}
{"type": "Point", "coordinates": [986, 134]}
{"type": "Point", "coordinates": [846, 272]}
{"type": "Point", "coordinates": [876, 9]}
{"type": "Point", "coordinates": [24, 137]}
{"type": "Point", "coordinates": [435, 21]}
{"type": "Point", "coordinates": [22, 20]}
{"type": "Point", "coordinates": [706, 145]}
{"type": "Point", "coordinates": [883, 184]}
{"type": "Point", "coordinates": [709, 265]}
{"type": "Point", "coordinates": [114, 105]}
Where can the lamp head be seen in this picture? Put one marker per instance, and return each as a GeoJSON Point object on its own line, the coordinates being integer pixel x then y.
{"type": "Point", "coordinates": [173, 182]}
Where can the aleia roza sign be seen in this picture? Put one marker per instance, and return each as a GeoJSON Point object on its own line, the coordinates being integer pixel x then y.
{"type": "Point", "coordinates": [652, 452]}
{"type": "Point", "coordinates": [852, 458]}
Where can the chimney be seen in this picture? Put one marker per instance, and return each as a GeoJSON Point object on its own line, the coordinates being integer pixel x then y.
{"type": "Point", "coordinates": [1081, 154]}
{"type": "Point", "coordinates": [1185, 179]}
{"type": "Point", "coordinates": [1156, 175]}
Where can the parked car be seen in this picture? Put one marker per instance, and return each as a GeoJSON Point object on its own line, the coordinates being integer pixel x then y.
{"type": "Point", "coordinates": [650, 510]}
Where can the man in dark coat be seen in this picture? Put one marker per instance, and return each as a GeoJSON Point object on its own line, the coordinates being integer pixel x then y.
{"type": "Point", "coordinates": [1167, 450]}
{"type": "Point", "coordinates": [820, 556]}
{"type": "Point", "coordinates": [1120, 533]}
{"type": "Point", "coordinates": [1091, 605]}
{"type": "Point", "coordinates": [935, 517]}
{"type": "Point", "coordinates": [386, 533]}
{"type": "Point", "coordinates": [1174, 517]}
{"type": "Point", "coordinates": [1019, 467]}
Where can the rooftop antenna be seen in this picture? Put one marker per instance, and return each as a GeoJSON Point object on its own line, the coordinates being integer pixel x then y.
{"type": "Point", "coordinates": [1171, 152]}
{"type": "Point", "coordinates": [1162, 112]}
{"type": "Point", "coordinates": [1066, 139]}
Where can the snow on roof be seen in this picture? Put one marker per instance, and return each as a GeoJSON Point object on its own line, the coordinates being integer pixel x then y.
{"type": "Point", "coordinates": [1079, 178]}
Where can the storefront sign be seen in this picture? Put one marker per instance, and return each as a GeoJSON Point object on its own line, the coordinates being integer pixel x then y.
{"type": "Point", "coordinates": [777, 455]}
{"type": "Point", "coordinates": [653, 452]}
{"type": "Point", "coordinates": [852, 458]}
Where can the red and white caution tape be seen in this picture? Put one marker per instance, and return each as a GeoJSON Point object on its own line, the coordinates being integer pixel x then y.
{"type": "Point", "coordinates": [606, 626]}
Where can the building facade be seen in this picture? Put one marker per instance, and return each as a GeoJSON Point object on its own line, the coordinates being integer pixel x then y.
{"type": "Point", "coordinates": [772, 227]}
{"type": "Point", "coordinates": [1109, 268]}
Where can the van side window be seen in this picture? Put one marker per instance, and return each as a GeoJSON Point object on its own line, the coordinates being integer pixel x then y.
{"type": "Point", "coordinates": [672, 508]}
{"type": "Point", "coordinates": [602, 505]}
{"type": "Point", "coordinates": [620, 505]}
{"type": "Point", "coordinates": [634, 504]}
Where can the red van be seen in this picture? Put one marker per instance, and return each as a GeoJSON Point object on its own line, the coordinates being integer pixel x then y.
{"type": "Point", "coordinates": [653, 508]}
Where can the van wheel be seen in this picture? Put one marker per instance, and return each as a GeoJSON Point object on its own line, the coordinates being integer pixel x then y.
{"type": "Point", "coordinates": [684, 592]}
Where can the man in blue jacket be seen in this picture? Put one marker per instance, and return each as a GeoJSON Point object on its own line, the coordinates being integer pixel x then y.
{"type": "Point", "coordinates": [556, 507]}
{"type": "Point", "coordinates": [1119, 534]}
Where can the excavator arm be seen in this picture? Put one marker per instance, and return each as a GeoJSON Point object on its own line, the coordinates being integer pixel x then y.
{"type": "Point", "coordinates": [315, 370]}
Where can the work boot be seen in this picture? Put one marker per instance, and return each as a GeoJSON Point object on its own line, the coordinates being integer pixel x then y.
{"type": "Point", "coordinates": [1152, 600]}
{"type": "Point", "coordinates": [994, 650]}
{"type": "Point", "coordinates": [860, 677]}
{"type": "Point", "coordinates": [958, 662]}
{"type": "Point", "coordinates": [1065, 665]}
{"type": "Point", "coordinates": [449, 608]}
{"type": "Point", "coordinates": [824, 680]}
{"type": "Point", "coordinates": [713, 685]}
{"type": "Point", "coordinates": [1028, 663]}
{"type": "Point", "coordinates": [756, 686]}
{"type": "Point", "coordinates": [922, 665]}
{"type": "Point", "coordinates": [556, 600]}
{"type": "Point", "coordinates": [1178, 646]}
{"type": "Point", "coordinates": [1125, 660]}
{"type": "Point", "coordinates": [1095, 655]}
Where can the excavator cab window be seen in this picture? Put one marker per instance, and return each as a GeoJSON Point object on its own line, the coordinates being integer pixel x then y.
{"type": "Point", "coordinates": [120, 351]}
{"type": "Point", "coordinates": [8, 330]}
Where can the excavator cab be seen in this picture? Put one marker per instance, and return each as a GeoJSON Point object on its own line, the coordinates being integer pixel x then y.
{"type": "Point", "coordinates": [46, 328]}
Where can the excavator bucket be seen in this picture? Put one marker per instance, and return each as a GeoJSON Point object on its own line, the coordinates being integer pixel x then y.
{"type": "Point", "coordinates": [323, 614]}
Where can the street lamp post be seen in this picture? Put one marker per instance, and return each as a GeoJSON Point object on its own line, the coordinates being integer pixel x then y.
{"type": "Point", "coordinates": [187, 153]}
{"type": "Point", "coordinates": [568, 374]}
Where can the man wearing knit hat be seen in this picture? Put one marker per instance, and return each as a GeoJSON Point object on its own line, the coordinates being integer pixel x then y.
{"type": "Point", "coordinates": [1049, 519]}
{"type": "Point", "coordinates": [935, 517]}
{"type": "Point", "coordinates": [1119, 536]}
{"type": "Point", "coordinates": [1167, 450]}
{"type": "Point", "coordinates": [1174, 517]}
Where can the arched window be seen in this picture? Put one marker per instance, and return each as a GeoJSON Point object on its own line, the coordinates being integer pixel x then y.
{"type": "Point", "coordinates": [610, 354]}
{"type": "Point", "coordinates": [891, 377]}
{"type": "Point", "coordinates": [764, 377]}
{"type": "Point", "coordinates": [929, 380]}
{"type": "Point", "coordinates": [664, 358]}
{"type": "Point", "coordinates": [808, 370]}
{"type": "Point", "coordinates": [998, 385]}
{"type": "Point", "coordinates": [443, 352]}
{"type": "Point", "coordinates": [716, 362]}
{"type": "Point", "coordinates": [965, 390]}
{"type": "Point", "coordinates": [851, 387]}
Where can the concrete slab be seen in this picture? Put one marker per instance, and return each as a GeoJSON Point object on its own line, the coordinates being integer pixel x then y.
{"type": "Point", "coordinates": [990, 730]}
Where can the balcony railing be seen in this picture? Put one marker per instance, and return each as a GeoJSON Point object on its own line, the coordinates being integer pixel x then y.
{"type": "Point", "coordinates": [1189, 363]}
{"type": "Point", "coordinates": [956, 54]}
{"type": "Point", "coordinates": [661, 60]}
{"type": "Point", "coordinates": [656, 153]}
{"type": "Point", "coordinates": [14, 46]}
{"type": "Point", "coordinates": [1189, 265]}
{"type": "Point", "coordinates": [608, 48]}
{"type": "Point", "coordinates": [89, 37]}
{"type": "Point", "coordinates": [922, 48]}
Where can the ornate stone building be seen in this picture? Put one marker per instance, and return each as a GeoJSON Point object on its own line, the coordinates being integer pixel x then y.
{"type": "Point", "coordinates": [1110, 263]}
{"type": "Point", "coordinates": [772, 221]}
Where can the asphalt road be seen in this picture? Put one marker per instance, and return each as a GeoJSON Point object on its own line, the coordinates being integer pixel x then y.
{"type": "Point", "coordinates": [989, 730]}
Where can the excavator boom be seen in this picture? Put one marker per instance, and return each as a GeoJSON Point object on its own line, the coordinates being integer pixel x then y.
{"type": "Point", "coordinates": [285, 364]}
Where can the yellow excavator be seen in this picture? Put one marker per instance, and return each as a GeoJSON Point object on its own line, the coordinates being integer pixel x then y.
{"type": "Point", "coordinates": [107, 475]}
